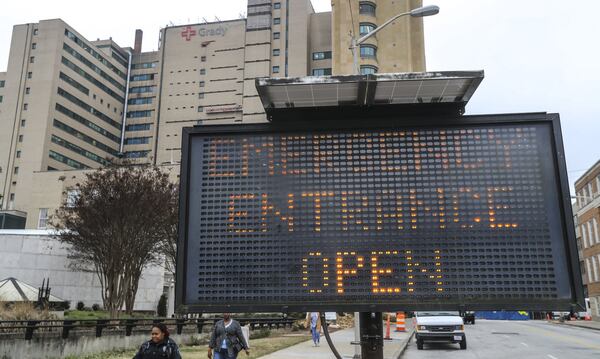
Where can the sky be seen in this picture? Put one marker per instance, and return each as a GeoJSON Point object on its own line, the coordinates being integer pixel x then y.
{"type": "Point", "coordinates": [538, 55]}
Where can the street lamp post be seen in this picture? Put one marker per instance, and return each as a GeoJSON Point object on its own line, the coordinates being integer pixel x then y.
{"type": "Point", "coordinates": [418, 12]}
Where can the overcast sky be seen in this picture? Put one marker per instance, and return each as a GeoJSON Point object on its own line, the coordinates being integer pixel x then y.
{"type": "Point", "coordinates": [538, 55]}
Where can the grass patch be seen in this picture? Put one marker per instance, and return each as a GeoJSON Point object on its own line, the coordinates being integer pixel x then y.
{"type": "Point", "coordinates": [260, 347]}
{"type": "Point", "coordinates": [100, 314]}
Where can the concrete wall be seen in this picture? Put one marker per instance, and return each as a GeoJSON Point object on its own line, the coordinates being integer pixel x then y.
{"type": "Point", "coordinates": [31, 256]}
{"type": "Point", "coordinates": [46, 348]}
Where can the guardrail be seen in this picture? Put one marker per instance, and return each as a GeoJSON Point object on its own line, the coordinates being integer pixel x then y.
{"type": "Point", "coordinates": [29, 327]}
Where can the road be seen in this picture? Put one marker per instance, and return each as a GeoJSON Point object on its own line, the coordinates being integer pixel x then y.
{"type": "Point", "coordinates": [514, 340]}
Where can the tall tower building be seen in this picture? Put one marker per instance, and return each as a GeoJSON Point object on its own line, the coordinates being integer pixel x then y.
{"type": "Point", "coordinates": [397, 48]}
{"type": "Point", "coordinates": [68, 105]}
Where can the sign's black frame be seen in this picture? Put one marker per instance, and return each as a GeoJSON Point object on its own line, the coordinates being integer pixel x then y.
{"type": "Point", "coordinates": [570, 245]}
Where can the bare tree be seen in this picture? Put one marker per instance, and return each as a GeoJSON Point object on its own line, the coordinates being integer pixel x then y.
{"type": "Point", "coordinates": [122, 221]}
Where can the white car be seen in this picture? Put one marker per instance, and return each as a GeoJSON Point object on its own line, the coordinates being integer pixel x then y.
{"type": "Point", "coordinates": [440, 327]}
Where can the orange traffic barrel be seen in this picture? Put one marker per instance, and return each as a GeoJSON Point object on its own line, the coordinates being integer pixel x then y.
{"type": "Point", "coordinates": [400, 322]}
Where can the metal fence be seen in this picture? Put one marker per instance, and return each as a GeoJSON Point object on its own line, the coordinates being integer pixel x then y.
{"type": "Point", "coordinates": [87, 326]}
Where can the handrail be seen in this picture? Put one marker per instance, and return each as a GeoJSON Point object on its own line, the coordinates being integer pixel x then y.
{"type": "Point", "coordinates": [30, 326]}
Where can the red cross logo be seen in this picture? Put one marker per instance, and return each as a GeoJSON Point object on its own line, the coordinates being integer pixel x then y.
{"type": "Point", "coordinates": [188, 33]}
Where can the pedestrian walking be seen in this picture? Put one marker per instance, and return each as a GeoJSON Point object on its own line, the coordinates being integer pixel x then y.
{"type": "Point", "coordinates": [159, 346]}
{"type": "Point", "coordinates": [314, 323]}
{"type": "Point", "coordinates": [227, 339]}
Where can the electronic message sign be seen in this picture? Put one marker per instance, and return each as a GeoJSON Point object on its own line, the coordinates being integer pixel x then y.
{"type": "Point", "coordinates": [369, 215]}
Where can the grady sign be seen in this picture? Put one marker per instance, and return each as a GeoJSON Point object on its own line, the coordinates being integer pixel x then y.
{"type": "Point", "coordinates": [189, 32]}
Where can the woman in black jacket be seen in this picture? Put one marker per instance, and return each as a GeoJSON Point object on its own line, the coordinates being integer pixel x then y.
{"type": "Point", "coordinates": [227, 339]}
{"type": "Point", "coordinates": [160, 346]}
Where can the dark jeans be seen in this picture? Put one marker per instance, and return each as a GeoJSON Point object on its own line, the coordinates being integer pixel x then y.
{"type": "Point", "coordinates": [222, 354]}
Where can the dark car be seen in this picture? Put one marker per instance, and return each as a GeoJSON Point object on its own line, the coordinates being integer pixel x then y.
{"type": "Point", "coordinates": [468, 317]}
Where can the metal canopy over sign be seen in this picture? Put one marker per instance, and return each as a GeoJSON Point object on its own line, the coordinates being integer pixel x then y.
{"type": "Point", "coordinates": [377, 214]}
{"type": "Point", "coordinates": [446, 92]}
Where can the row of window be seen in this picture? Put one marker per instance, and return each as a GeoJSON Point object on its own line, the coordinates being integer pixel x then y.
{"type": "Point", "coordinates": [144, 65]}
{"type": "Point", "coordinates": [94, 53]}
{"type": "Point", "coordinates": [68, 161]}
{"type": "Point", "coordinates": [589, 233]}
{"type": "Point", "coordinates": [322, 55]}
{"type": "Point", "coordinates": [81, 151]}
{"type": "Point", "coordinates": [92, 66]}
{"type": "Point", "coordinates": [137, 141]}
{"type": "Point", "coordinates": [143, 89]}
{"type": "Point", "coordinates": [87, 123]}
{"type": "Point", "coordinates": [88, 108]}
{"type": "Point", "coordinates": [66, 78]}
{"type": "Point", "coordinates": [321, 72]}
{"type": "Point", "coordinates": [91, 79]}
{"type": "Point", "coordinates": [587, 194]}
{"type": "Point", "coordinates": [85, 138]}
{"type": "Point", "coordinates": [137, 154]}
{"type": "Point", "coordinates": [140, 101]}
{"type": "Point", "coordinates": [142, 77]}
{"type": "Point", "coordinates": [139, 114]}
{"type": "Point", "coordinates": [138, 127]}
{"type": "Point", "coordinates": [593, 268]}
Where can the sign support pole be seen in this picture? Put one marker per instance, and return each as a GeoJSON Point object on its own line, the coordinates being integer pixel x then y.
{"type": "Point", "coordinates": [371, 335]}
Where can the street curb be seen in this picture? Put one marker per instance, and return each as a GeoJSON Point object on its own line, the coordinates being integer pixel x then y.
{"type": "Point", "coordinates": [578, 326]}
{"type": "Point", "coordinates": [403, 346]}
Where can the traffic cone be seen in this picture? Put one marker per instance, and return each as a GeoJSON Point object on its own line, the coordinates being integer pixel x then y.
{"type": "Point", "coordinates": [400, 322]}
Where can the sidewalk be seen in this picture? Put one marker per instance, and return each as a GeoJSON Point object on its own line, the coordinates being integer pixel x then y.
{"type": "Point", "coordinates": [341, 339]}
{"type": "Point", "coordinates": [582, 324]}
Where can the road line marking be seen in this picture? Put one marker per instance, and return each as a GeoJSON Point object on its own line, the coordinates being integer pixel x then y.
{"type": "Point", "coordinates": [552, 357]}
{"type": "Point", "coordinates": [561, 337]}
{"type": "Point", "coordinates": [524, 344]}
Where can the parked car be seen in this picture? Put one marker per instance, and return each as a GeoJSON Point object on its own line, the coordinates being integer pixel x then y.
{"type": "Point", "coordinates": [443, 326]}
{"type": "Point", "coordinates": [468, 317]}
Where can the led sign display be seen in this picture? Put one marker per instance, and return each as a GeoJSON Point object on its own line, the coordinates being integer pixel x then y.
{"type": "Point", "coordinates": [375, 216]}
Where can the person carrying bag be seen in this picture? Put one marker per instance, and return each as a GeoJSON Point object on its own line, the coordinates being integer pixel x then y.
{"type": "Point", "coordinates": [227, 339]}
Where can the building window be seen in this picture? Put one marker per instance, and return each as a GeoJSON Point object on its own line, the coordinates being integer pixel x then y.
{"type": "Point", "coordinates": [203, 58]}
{"type": "Point", "coordinates": [1, 98]}
{"type": "Point", "coordinates": [2, 83]}
{"type": "Point", "coordinates": [321, 72]}
{"type": "Point", "coordinates": [43, 220]}
{"type": "Point", "coordinates": [16, 170]}
{"type": "Point", "coordinates": [33, 46]}
{"type": "Point", "coordinates": [202, 83]}
{"type": "Point", "coordinates": [321, 55]}
{"type": "Point", "coordinates": [366, 27]}
{"type": "Point", "coordinates": [276, 52]}
{"type": "Point", "coordinates": [368, 51]}
{"type": "Point", "coordinates": [276, 21]}
{"type": "Point", "coordinates": [18, 154]}
{"type": "Point", "coordinates": [72, 197]}
{"type": "Point", "coordinates": [367, 8]}
{"type": "Point", "coordinates": [137, 154]}
{"type": "Point", "coordinates": [141, 89]}
{"type": "Point", "coordinates": [140, 101]}
{"type": "Point", "coordinates": [27, 90]}
{"type": "Point", "coordinates": [276, 35]}
{"type": "Point", "coordinates": [275, 69]}
{"type": "Point", "coordinates": [25, 106]}
{"type": "Point", "coordinates": [137, 141]}
{"type": "Point", "coordinates": [202, 71]}
{"type": "Point", "coordinates": [200, 109]}
{"type": "Point", "coordinates": [368, 70]}
{"type": "Point", "coordinates": [20, 138]}
{"type": "Point", "coordinates": [139, 114]}
{"type": "Point", "coordinates": [22, 123]}
{"type": "Point", "coordinates": [31, 59]}
{"type": "Point", "coordinates": [29, 75]}
{"type": "Point", "coordinates": [277, 5]}
{"type": "Point", "coordinates": [35, 31]}
{"type": "Point", "coordinates": [201, 95]}
{"type": "Point", "coordinates": [138, 127]}
{"type": "Point", "coordinates": [143, 77]}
